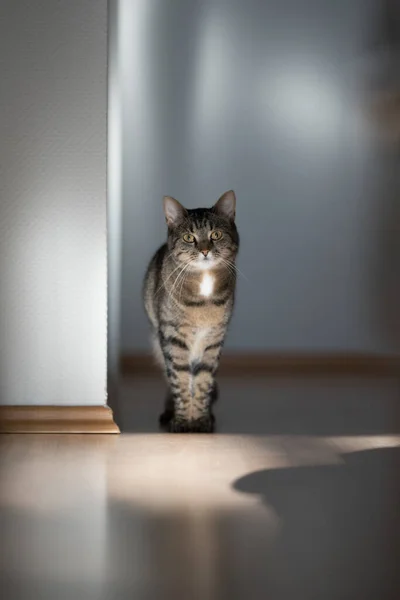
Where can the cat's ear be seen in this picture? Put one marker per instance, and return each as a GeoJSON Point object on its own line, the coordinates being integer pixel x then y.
{"type": "Point", "coordinates": [226, 206]}
{"type": "Point", "coordinates": [174, 211]}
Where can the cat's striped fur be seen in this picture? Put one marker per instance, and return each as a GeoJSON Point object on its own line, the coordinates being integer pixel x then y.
{"type": "Point", "coordinates": [189, 293]}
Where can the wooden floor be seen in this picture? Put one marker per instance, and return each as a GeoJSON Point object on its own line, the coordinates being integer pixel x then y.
{"type": "Point", "coordinates": [296, 497]}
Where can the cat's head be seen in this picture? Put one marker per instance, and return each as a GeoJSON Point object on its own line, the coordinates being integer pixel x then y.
{"type": "Point", "coordinates": [204, 237]}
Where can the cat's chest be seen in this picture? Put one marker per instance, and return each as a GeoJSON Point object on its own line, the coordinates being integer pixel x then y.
{"type": "Point", "coordinates": [198, 302]}
{"type": "Point", "coordinates": [203, 312]}
{"type": "Point", "coordinates": [205, 316]}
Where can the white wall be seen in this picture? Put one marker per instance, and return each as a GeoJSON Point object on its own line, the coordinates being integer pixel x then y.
{"type": "Point", "coordinates": [265, 97]}
{"type": "Point", "coordinates": [114, 212]}
{"type": "Point", "coordinates": [53, 103]}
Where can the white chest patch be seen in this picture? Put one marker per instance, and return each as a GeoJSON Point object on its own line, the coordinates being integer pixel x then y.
{"type": "Point", "coordinates": [206, 285]}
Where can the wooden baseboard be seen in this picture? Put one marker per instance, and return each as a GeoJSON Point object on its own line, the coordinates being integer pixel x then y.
{"type": "Point", "coordinates": [259, 364]}
{"type": "Point", "coordinates": [57, 419]}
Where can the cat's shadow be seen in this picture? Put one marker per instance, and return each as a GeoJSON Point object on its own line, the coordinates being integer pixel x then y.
{"type": "Point", "coordinates": [339, 525]}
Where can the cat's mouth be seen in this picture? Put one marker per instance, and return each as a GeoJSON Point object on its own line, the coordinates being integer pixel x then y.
{"type": "Point", "coordinates": [205, 263]}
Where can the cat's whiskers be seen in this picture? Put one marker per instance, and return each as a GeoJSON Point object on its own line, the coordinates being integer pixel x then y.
{"type": "Point", "coordinates": [178, 278]}
{"type": "Point", "coordinates": [182, 276]}
{"type": "Point", "coordinates": [229, 266]}
{"type": "Point", "coordinates": [175, 281]}
{"type": "Point", "coordinates": [166, 281]}
{"type": "Point", "coordinates": [233, 265]}
{"type": "Point", "coordinates": [183, 282]}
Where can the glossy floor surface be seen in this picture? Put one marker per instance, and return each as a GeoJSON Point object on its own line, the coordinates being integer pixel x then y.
{"type": "Point", "coordinates": [297, 496]}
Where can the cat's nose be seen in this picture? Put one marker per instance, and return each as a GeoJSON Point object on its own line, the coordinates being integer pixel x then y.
{"type": "Point", "coordinates": [204, 252]}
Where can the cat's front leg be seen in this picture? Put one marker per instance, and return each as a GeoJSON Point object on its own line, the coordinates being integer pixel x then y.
{"type": "Point", "coordinates": [191, 362]}
{"type": "Point", "coordinates": [177, 414]}
{"type": "Point", "coordinates": [169, 410]}
{"type": "Point", "coordinates": [188, 408]}
{"type": "Point", "coordinates": [204, 386]}
{"type": "Point", "coordinates": [193, 412]}
{"type": "Point", "coordinates": [191, 395]}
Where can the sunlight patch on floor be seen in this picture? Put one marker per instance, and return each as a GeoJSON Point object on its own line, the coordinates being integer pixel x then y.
{"type": "Point", "coordinates": [170, 471]}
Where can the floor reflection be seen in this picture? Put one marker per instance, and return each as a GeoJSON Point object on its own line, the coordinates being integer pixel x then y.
{"type": "Point", "coordinates": [199, 517]}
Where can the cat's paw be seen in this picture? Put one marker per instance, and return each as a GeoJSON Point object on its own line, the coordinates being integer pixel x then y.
{"type": "Point", "coordinates": [202, 425]}
{"type": "Point", "coordinates": [179, 425]}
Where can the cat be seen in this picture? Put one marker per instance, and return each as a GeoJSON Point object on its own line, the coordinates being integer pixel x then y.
{"type": "Point", "coordinates": [189, 293]}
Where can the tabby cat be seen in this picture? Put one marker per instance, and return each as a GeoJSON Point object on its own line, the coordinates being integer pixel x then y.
{"type": "Point", "coordinates": [189, 292]}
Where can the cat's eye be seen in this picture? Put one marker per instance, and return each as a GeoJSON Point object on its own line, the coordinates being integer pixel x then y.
{"type": "Point", "coordinates": [216, 235]}
{"type": "Point", "coordinates": [188, 238]}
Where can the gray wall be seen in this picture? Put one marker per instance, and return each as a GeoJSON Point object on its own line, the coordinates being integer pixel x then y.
{"type": "Point", "coordinates": [53, 107]}
{"type": "Point", "coordinates": [265, 97]}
